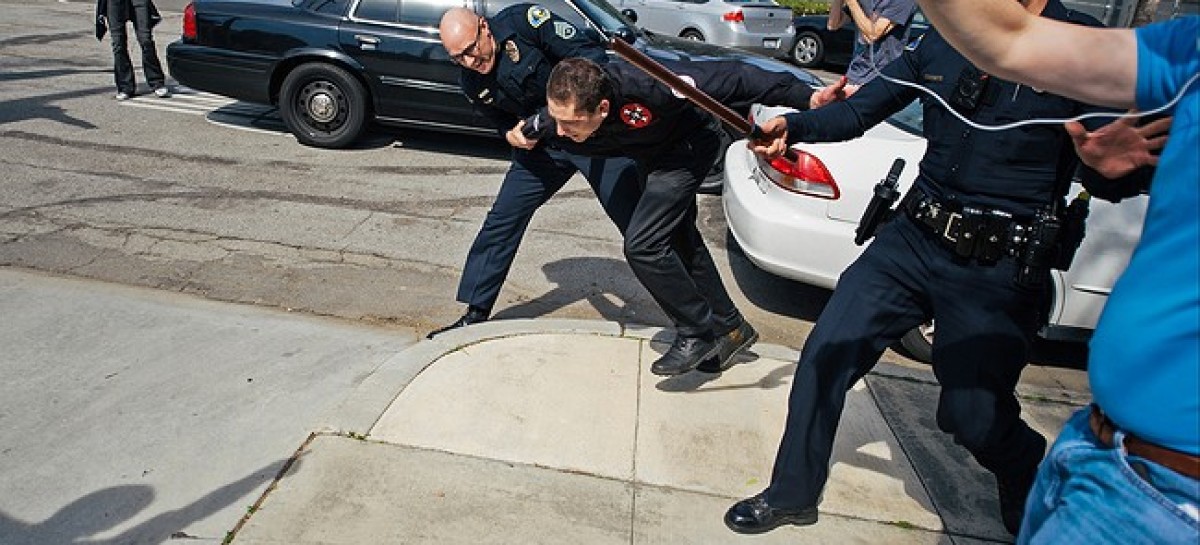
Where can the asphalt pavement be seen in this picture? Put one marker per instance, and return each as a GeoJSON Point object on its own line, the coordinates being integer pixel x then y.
{"type": "Point", "coordinates": [139, 416]}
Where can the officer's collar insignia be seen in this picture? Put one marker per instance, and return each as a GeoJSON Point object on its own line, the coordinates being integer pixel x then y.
{"type": "Point", "coordinates": [913, 43]}
{"type": "Point", "coordinates": [486, 96]}
{"type": "Point", "coordinates": [564, 30]}
{"type": "Point", "coordinates": [635, 115]}
{"type": "Point", "coordinates": [510, 48]}
{"type": "Point", "coordinates": [537, 15]}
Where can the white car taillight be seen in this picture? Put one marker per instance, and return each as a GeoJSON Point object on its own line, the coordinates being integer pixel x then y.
{"type": "Point", "coordinates": [189, 22]}
{"type": "Point", "coordinates": [735, 16]}
{"type": "Point", "coordinates": [807, 175]}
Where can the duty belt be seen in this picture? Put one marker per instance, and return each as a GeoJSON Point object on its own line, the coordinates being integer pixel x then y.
{"type": "Point", "coordinates": [1179, 462]}
{"type": "Point", "coordinates": [971, 232]}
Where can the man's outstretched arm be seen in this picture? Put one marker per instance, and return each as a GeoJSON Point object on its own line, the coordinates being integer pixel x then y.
{"type": "Point", "coordinates": [1093, 65]}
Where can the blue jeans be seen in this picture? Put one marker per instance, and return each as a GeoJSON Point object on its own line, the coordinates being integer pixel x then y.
{"type": "Point", "coordinates": [1089, 493]}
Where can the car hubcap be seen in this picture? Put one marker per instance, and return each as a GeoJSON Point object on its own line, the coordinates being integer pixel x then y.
{"type": "Point", "coordinates": [323, 104]}
{"type": "Point", "coordinates": [806, 50]}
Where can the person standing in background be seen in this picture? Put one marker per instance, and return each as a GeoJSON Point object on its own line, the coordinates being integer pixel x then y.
{"type": "Point", "coordinates": [882, 28]}
{"type": "Point", "coordinates": [111, 17]}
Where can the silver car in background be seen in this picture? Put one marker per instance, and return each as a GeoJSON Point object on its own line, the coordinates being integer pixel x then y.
{"type": "Point", "coordinates": [760, 26]}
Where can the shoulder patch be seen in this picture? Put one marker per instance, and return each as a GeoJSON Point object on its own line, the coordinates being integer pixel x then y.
{"type": "Point", "coordinates": [564, 30]}
{"type": "Point", "coordinates": [635, 115]}
{"type": "Point", "coordinates": [537, 15]}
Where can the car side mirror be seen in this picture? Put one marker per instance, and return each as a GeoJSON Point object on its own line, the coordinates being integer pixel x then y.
{"type": "Point", "coordinates": [629, 14]}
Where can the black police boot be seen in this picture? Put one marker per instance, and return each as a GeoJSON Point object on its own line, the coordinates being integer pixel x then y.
{"type": "Point", "coordinates": [684, 355]}
{"type": "Point", "coordinates": [728, 347]}
{"type": "Point", "coordinates": [474, 315]}
{"type": "Point", "coordinates": [1014, 490]}
{"type": "Point", "coordinates": [754, 516]}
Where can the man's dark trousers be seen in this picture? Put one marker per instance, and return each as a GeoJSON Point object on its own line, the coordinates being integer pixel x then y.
{"type": "Point", "coordinates": [984, 326]}
{"type": "Point", "coordinates": [535, 176]}
{"type": "Point", "coordinates": [665, 249]}
{"type": "Point", "coordinates": [138, 13]}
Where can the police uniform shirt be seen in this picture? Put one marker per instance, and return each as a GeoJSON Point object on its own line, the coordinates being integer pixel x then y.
{"type": "Point", "coordinates": [1017, 170]}
{"type": "Point", "coordinates": [646, 116]}
{"type": "Point", "coordinates": [530, 40]}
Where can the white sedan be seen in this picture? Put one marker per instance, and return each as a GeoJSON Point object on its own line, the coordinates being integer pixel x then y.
{"type": "Point", "coordinates": [802, 227]}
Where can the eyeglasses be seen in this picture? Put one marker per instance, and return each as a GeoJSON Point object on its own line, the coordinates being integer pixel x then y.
{"type": "Point", "coordinates": [472, 49]}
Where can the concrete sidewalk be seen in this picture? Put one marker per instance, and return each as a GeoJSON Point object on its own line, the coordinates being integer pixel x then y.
{"type": "Point", "coordinates": [553, 431]}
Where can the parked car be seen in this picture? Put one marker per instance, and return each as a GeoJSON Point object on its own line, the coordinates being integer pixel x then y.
{"type": "Point", "coordinates": [803, 228]}
{"type": "Point", "coordinates": [815, 44]}
{"type": "Point", "coordinates": [333, 66]}
{"type": "Point", "coordinates": [761, 26]}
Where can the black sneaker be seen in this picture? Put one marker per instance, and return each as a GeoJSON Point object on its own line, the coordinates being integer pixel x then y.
{"type": "Point", "coordinates": [474, 315]}
{"type": "Point", "coordinates": [1014, 491]}
{"type": "Point", "coordinates": [754, 516]}
{"type": "Point", "coordinates": [683, 356]}
{"type": "Point", "coordinates": [729, 346]}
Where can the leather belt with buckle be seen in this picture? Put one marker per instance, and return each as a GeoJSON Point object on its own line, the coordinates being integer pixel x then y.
{"type": "Point", "coordinates": [1179, 462]}
{"type": "Point", "coordinates": [983, 234]}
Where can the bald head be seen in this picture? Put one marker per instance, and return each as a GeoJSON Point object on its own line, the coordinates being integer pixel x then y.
{"type": "Point", "coordinates": [467, 40]}
{"type": "Point", "coordinates": [458, 24]}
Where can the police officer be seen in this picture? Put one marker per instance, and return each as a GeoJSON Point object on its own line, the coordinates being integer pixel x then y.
{"type": "Point", "coordinates": [505, 62]}
{"type": "Point", "coordinates": [967, 249]}
{"type": "Point", "coordinates": [619, 110]}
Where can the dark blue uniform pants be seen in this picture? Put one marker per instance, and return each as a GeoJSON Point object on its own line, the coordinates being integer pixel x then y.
{"type": "Point", "coordinates": [535, 176]}
{"type": "Point", "coordinates": [138, 13]}
{"type": "Point", "coordinates": [984, 326]}
{"type": "Point", "coordinates": [665, 249]}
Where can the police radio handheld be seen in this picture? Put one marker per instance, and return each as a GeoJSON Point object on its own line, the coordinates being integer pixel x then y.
{"type": "Point", "coordinates": [879, 210]}
{"type": "Point", "coordinates": [538, 126]}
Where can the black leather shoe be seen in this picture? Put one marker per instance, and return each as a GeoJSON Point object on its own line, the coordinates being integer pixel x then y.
{"type": "Point", "coordinates": [683, 356]}
{"type": "Point", "coordinates": [1014, 491]}
{"type": "Point", "coordinates": [728, 347]}
{"type": "Point", "coordinates": [754, 516]}
{"type": "Point", "coordinates": [474, 315]}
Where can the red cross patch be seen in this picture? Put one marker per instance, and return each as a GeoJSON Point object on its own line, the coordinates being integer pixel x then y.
{"type": "Point", "coordinates": [635, 115]}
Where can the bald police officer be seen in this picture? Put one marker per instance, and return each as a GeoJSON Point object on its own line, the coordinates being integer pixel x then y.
{"type": "Point", "coordinates": [506, 61]}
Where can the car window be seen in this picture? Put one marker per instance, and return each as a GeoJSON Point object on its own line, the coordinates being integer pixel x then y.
{"type": "Point", "coordinates": [426, 13]}
{"type": "Point", "coordinates": [384, 11]}
{"type": "Point", "coordinates": [329, 7]}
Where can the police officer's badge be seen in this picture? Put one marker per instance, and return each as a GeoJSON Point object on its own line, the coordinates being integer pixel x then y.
{"type": "Point", "coordinates": [510, 49]}
{"type": "Point", "coordinates": [537, 15]}
{"type": "Point", "coordinates": [635, 115]}
{"type": "Point", "coordinates": [564, 30]}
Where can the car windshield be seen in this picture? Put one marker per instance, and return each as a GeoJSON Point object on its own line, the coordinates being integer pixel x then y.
{"type": "Point", "coordinates": [909, 119]}
{"type": "Point", "coordinates": [602, 13]}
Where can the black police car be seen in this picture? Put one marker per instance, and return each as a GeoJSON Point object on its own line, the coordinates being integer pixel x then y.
{"type": "Point", "coordinates": [333, 66]}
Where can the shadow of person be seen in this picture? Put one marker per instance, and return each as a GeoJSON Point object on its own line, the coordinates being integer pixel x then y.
{"type": "Point", "coordinates": [86, 516]}
{"type": "Point", "coordinates": [94, 513]}
{"type": "Point", "coordinates": [607, 284]}
{"type": "Point", "coordinates": [42, 107]}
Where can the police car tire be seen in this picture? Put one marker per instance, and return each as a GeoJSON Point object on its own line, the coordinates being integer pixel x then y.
{"type": "Point", "coordinates": [323, 105]}
{"type": "Point", "coordinates": [918, 343]}
{"type": "Point", "coordinates": [808, 50]}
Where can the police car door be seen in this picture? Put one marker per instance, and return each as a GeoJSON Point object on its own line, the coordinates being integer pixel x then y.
{"type": "Point", "coordinates": [412, 77]}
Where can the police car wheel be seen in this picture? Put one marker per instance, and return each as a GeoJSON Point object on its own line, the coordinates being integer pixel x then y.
{"type": "Point", "coordinates": [918, 342]}
{"type": "Point", "coordinates": [323, 105]}
{"type": "Point", "coordinates": [809, 50]}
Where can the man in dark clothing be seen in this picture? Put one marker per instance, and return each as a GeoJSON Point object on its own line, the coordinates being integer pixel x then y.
{"type": "Point", "coordinates": [616, 109]}
{"type": "Point", "coordinates": [112, 15]}
{"type": "Point", "coordinates": [506, 61]}
{"type": "Point", "coordinates": [965, 250]}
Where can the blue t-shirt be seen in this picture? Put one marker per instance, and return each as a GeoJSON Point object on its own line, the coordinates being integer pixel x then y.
{"type": "Point", "coordinates": [1144, 365]}
{"type": "Point", "coordinates": [869, 59]}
